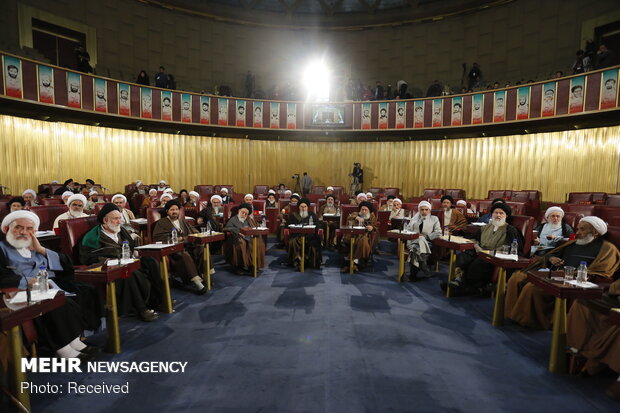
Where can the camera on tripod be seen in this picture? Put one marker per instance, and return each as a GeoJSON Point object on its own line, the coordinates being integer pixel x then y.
{"type": "Point", "coordinates": [296, 176]}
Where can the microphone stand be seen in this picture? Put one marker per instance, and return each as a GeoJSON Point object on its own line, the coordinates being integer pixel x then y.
{"type": "Point", "coordinates": [28, 293]}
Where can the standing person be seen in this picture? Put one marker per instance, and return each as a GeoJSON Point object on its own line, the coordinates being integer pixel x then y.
{"type": "Point", "coordinates": [379, 91]}
{"type": "Point", "coordinates": [475, 76]}
{"type": "Point", "coordinates": [249, 84]}
{"type": "Point", "coordinates": [143, 78]}
{"type": "Point", "coordinates": [306, 184]}
{"type": "Point", "coordinates": [357, 178]}
{"type": "Point", "coordinates": [161, 78]}
{"type": "Point", "coordinates": [83, 59]}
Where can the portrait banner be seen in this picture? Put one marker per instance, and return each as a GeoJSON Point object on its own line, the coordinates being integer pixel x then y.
{"type": "Point", "coordinates": [186, 107]}
{"type": "Point", "coordinates": [222, 111]}
{"type": "Point", "coordinates": [13, 84]}
{"type": "Point", "coordinates": [400, 115]}
{"type": "Point", "coordinates": [205, 113]}
{"type": "Point", "coordinates": [499, 106]}
{"type": "Point", "coordinates": [258, 114]}
{"type": "Point", "coordinates": [124, 102]}
{"type": "Point", "coordinates": [457, 111]}
{"type": "Point", "coordinates": [146, 102]}
{"type": "Point", "coordinates": [274, 119]}
{"type": "Point", "coordinates": [418, 114]}
{"type": "Point", "coordinates": [45, 76]}
{"type": "Point", "coordinates": [166, 105]}
{"type": "Point", "coordinates": [365, 114]}
{"type": "Point", "coordinates": [548, 99]}
{"type": "Point", "coordinates": [101, 95]}
{"type": "Point", "coordinates": [477, 105]}
{"type": "Point", "coordinates": [575, 100]}
{"type": "Point", "coordinates": [240, 113]}
{"type": "Point", "coordinates": [523, 102]}
{"type": "Point", "coordinates": [291, 116]}
{"type": "Point", "coordinates": [609, 89]}
{"type": "Point", "coordinates": [437, 112]}
{"type": "Point", "coordinates": [74, 90]}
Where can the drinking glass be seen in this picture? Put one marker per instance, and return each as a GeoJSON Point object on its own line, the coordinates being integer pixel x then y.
{"type": "Point", "coordinates": [569, 274]}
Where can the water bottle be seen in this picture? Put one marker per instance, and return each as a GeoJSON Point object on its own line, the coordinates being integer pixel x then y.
{"type": "Point", "coordinates": [126, 254]}
{"type": "Point", "coordinates": [310, 221]}
{"type": "Point", "coordinates": [338, 211]}
{"type": "Point", "coordinates": [41, 282]}
{"type": "Point", "coordinates": [446, 232]}
{"type": "Point", "coordinates": [175, 236]}
{"type": "Point", "coordinates": [582, 272]}
{"type": "Point", "coordinates": [514, 247]}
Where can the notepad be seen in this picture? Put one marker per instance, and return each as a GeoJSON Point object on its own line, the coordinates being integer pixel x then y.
{"type": "Point", "coordinates": [22, 297]}
{"type": "Point", "coordinates": [139, 221]}
{"type": "Point", "coordinates": [508, 257]}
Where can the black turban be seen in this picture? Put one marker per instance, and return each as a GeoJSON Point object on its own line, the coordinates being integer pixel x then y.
{"type": "Point", "coordinates": [367, 205]}
{"type": "Point", "coordinates": [295, 197]}
{"type": "Point", "coordinates": [105, 210]}
{"type": "Point", "coordinates": [304, 201]}
{"type": "Point", "coordinates": [246, 206]}
{"type": "Point", "coordinates": [332, 196]}
{"type": "Point", "coordinates": [449, 198]}
{"type": "Point", "coordinates": [19, 199]}
{"type": "Point", "coordinates": [172, 203]}
{"type": "Point", "coordinates": [503, 206]}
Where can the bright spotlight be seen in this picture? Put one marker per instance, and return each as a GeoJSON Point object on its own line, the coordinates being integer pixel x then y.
{"type": "Point", "coordinates": [316, 81]}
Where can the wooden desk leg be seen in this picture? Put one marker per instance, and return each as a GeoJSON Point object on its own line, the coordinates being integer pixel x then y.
{"type": "Point", "coordinates": [18, 377]}
{"type": "Point", "coordinates": [351, 254]}
{"type": "Point", "coordinates": [254, 258]}
{"type": "Point", "coordinates": [500, 293]}
{"type": "Point", "coordinates": [401, 260]}
{"type": "Point", "coordinates": [207, 273]}
{"type": "Point", "coordinates": [327, 235]}
{"type": "Point", "coordinates": [557, 358]}
{"type": "Point", "coordinates": [163, 268]}
{"type": "Point", "coordinates": [302, 266]}
{"type": "Point", "coordinates": [451, 272]}
{"type": "Point", "coordinates": [114, 338]}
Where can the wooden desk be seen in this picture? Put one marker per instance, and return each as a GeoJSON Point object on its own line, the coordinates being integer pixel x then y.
{"type": "Point", "coordinates": [454, 243]}
{"type": "Point", "coordinates": [402, 237]}
{"type": "Point", "coordinates": [95, 274]}
{"type": "Point", "coordinates": [303, 231]}
{"type": "Point", "coordinates": [160, 254]}
{"type": "Point", "coordinates": [10, 320]}
{"type": "Point", "coordinates": [329, 218]}
{"type": "Point", "coordinates": [557, 354]}
{"type": "Point", "coordinates": [500, 292]}
{"type": "Point", "coordinates": [254, 232]}
{"type": "Point", "coordinates": [352, 231]}
{"type": "Point", "coordinates": [205, 239]}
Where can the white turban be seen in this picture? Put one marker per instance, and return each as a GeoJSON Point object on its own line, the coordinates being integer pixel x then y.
{"type": "Point", "coordinates": [91, 193]}
{"type": "Point", "coordinates": [287, 192]}
{"type": "Point", "coordinates": [216, 197]}
{"type": "Point", "coordinates": [599, 225]}
{"type": "Point", "coordinates": [424, 203]}
{"type": "Point", "coordinates": [552, 209]}
{"type": "Point", "coordinates": [54, 182]}
{"type": "Point", "coordinates": [397, 200]}
{"type": "Point", "coordinates": [248, 195]}
{"type": "Point", "coordinates": [461, 202]}
{"type": "Point", "coordinates": [138, 182]}
{"type": "Point", "coordinates": [30, 191]}
{"type": "Point", "coordinates": [121, 196]}
{"type": "Point", "coordinates": [162, 182]}
{"type": "Point", "coordinates": [225, 190]}
{"type": "Point", "coordinates": [66, 193]}
{"type": "Point", "coordinates": [20, 214]}
{"type": "Point", "coordinates": [368, 194]}
{"type": "Point", "coordinates": [330, 187]}
{"type": "Point", "coordinates": [76, 197]}
{"type": "Point", "coordinates": [361, 195]}
{"type": "Point", "coordinates": [271, 191]}
{"type": "Point", "coordinates": [165, 195]}
{"type": "Point", "coordinates": [168, 191]}
{"type": "Point", "coordinates": [196, 194]}
{"type": "Point", "coordinates": [153, 191]}
{"type": "Point", "coordinates": [295, 194]}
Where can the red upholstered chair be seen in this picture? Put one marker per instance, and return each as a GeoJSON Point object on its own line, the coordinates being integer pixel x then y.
{"type": "Point", "coordinates": [375, 190]}
{"type": "Point", "coordinates": [572, 219]}
{"type": "Point", "coordinates": [410, 206]}
{"type": "Point", "coordinates": [613, 200]}
{"type": "Point", "coordinates": [54, 188]}
{"type": "Point", "coordinates": [599, 198]}
{"type": "Point", "coordinates": [483, 206]}
{"type": "Point", "coordinates": [228, 212]}
{"type": "Point", "coordinates": [338, 189]}
{"type": "Point", "coordinates": [498, 193]}
{"type": "Point", "coordinates": [417, 199]}
{"type": "Point", "coordinates": [518, 208]}
{"type": "Point", "coordinates": [343, 198]}
{"type": "Point", "coordinates": [383, 222]}
{"type": "Point", "coordinates": [205, 191]}
{"type": "Point", "coordinates": [456, 193]}
{"type": "Point", "coordinates": [391, 191]}
{"type": "Point", "coordinates": [520, 196]}
{"type": "Point", "coordinates": [152, 216]}
{"type": "Point", "coordinates": [218, 188]}
{"type": "Point", "coordinates": [314, 198]}
{"type": "Point", "coordinates": [237, 198]}
{"type": "Point", "coordinates": [586, 210]}
{"type": "Point", "coordinates": [258, 205]}
{"type": "Point", "coordinates": [51, 201]}
{"type": "Point", "coordinates": [47, 214]}
{"type": "Point", "coordinates": [524, 224]}
{"type": "Point", "coordinates": [432, 193]}
{"type": "Point", "coordinates": [613, 235]}
{"type": "Point", "coordinates": [261, 190]}
{"type": "Point", "coordinates": [272, 219]}
{"type": "Point", "coordinates": [71, 233]}
{"type": "Point", "coordinates": [579, 198]}
{"type": "Point", "coordinates": [435, 203]}
{"type": "Point", "coordinates": [318, 189]}
{"type": "Point", "coordinates": [44, 189]}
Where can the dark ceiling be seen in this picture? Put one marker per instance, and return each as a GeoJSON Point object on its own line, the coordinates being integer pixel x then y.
{"type": "Point", "coordinates": [331, 14]}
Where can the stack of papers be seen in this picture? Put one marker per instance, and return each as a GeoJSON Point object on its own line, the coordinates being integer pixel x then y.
{"type": "Point", "coordinates": [458, 240]}
{"type": "Point", "coordinates": [586, 284]}
{"type": "Point", "coordinates": [507, 256]}
{"type": "Point", "coordinates": [139, 221]}
{"type": "Point", "coordinates": [300, 226]}
{"type": "Point", "coordinates": [153, 247]}
{"type": "Point", "coordinates": [478, 224]}
{"type": "Point", "coordinates": [45, 233]}
{"type": "Point", "coordinates": [21, 297]}
{"type": "Point", "coordinates": [122, 262]}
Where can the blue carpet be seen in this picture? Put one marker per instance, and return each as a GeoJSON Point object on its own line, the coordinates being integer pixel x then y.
{"type": "Point", "coordinates": [329, 342]}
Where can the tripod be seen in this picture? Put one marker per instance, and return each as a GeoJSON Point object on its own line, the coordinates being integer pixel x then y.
{"type": "Point", "coordinates": [297, 188]}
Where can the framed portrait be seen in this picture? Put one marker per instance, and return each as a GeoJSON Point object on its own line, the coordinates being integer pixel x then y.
{"type": "Point", "coordinates": [274, 118]}
{"type": "Point", "coordinates": [45, 81]}
{"type": "Point", "coordinates": [576, 92]}
{"type": "Point", "coordinates": [365, 115]}
{"type": "Point", "coordinates": [240, 112]}
{"type": "Point", "coordinates": [384, 110]}
{"type": "Point", "coordinates": [291, 116]}
{"type": "Point", "coordinates": [222, 111]}
{"type": "Point", "coordinates": [257, 117]}
{"type": "Point", "coordinates": [401, 112]}
{"type": "Point", "coordinates": [499, 106]}
{"type": "Point", "coordinates": [124, 101]}
{"type": "Point", "coordinates": [609, 89]}
{"type": "Point", "coordinates": [548, 99]}
{"type": "Point", "coordinates": [523, 102]}
{"type": "Point", "coordinates": [13, 83]}
{"type": "Point", "coordinates": [186, 107]}
{"type": "Point", "coordinates": [437, 112]}
{"type": "Point", "coordinates": [457, 111]}
{"type": "Point", "coordinates": [166, 105]}
{"type": "Point", "coordinates": [418, 114]}
{"type": "Point", "coordinates": [205, 113]}
{"type": "Point", "coordinates": [101, 95]}
{"type": "Point", "coordinates": [477, 108]}
{"type": "Point", "coordinates": [146, 102]}
{"type": "Point", "coordinates": [74, 90]}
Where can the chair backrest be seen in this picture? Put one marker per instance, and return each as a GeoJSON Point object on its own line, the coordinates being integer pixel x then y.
{"type": "Point", "coordinates": [518, 208]}
{"type": "Point", "coordinates": [572, 219]}
{"type": "Point", "coordinates": [261, 190]}
{"type": "Point", "coordinates": [44, 189]}
{"type": "Point", "coordinates": [204, 190]}
{"type": "Point", "coordinates": [237, 198]}
{"type": "Point", "coordinates": [579, 197]}
{"type": "Point", "coordinates": [435, 203]}
{"type": "Point", "coordinates": [586, 210]}
{"type": "Point", "coordinates": [51, 201]}
{"type": "Point", "coordinates": [599, 198]}
{"type": "Point", "coordinates": [284, 202]}
{"type": "Point", "coordinates": [606, 212]}
{"type": "Point", "coordinates": [524, 224]}
{"type": "Point", "coordinates": [338, 189]}
{"type": "Point", "coordinates": [71, 233]}
{"type": "Point", "coordinates": [375, 190]}
{"type": "Point", "coordinates": [228, 211]}
{"type": "Point", "coordinates": [520, 196]}
{"type": "Point", "coordinates": [152, 216]}
{"type": "Point", "coordinates": [613, 200]}
{"type": "Point", "coordinates": [613, 235]}
{"type": "Point", "coordinates": [499, 193]}
{"type": "Point", "coordinates": [54, 188]}
{"type": "Point", "coordinates": [100, 205]}
{"type": "Point", "coordinates": [484, 206]}
{"type": "Point", "coordinates": [391, 191]}
{"type": "Point", "coordinates": [314, 197]}
{"type": "Point", "coordinates": [345, 211]}
{"type": "Point", "coordinates": [439, 214]}
{"type": "Point", "coordinates": [218, 188]}
{"type": "Point", "coordinates": [47, 214]}
{"type": "Point", "coordinates": [432, 193]}
{"type": "Point", "coordinates": [455, 193]}
{"type": "Point", "coordinates": [318, 189]}
{"type": "Point", "coordinates": [410, 206]}
{"type": "Point", "coordinates": [259, 205]}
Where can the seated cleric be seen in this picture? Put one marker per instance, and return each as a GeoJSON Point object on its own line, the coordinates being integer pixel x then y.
{"type": "Point", "coordinates": [21, 257]}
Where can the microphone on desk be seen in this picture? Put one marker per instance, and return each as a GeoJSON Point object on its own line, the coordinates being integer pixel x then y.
{"type": "Point", "coordinates": [28, 294]}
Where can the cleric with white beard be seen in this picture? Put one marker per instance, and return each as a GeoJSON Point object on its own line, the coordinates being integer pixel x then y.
{"type": "Point", "coordinates": [551, 232]}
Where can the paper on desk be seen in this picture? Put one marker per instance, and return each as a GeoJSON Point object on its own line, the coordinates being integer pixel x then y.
{"type": "Point", "coordinates": [300, 226]}
{"type": "Point", "coordinates": [123, 262]}
{"type": "Point", "coordinates": [153, 247]}
{"type": "Point", "coordinates": [457, 239]}
{"type": "Point", "coordinates": [139, 221]}
{"type": "Point", "coordinates": [508, 257]}
{"type": "Point", "coordinates": [22, 297]}
{"type": "Point", "coordinates": [478, 224]}
{"type": "Point", "coordinates": [586, 284]}
{"type": "Point", "coordinates": [45, 233]}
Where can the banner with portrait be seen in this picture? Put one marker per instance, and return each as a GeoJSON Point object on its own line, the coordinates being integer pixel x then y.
{"type": "Point", "coordinates": [437, 119]}
{"type": "Point", "coordinates": [222, 111]}
{"type": "Point", "coordinates": [13, 84]}
{"type": "Point", "coordinates": [101, 95]}
{"type": "Point", "coordinates": [45, 76]}
{"type": "Point", "coordinates": [166, 105]}
{"type": "Point", "coordinates": [240, 113]}
{"type": "Point", "coordinates": [274, 118]}
{"type": "Point", "coordinates": [257, 117]}
{"type": "Point", "coordinates": [609, 89]}
{"type": "Point", "coordinates": [548, 99]}
{"type": "Point", "coordinates": [401, 112]}
{"type": "Point", "coordinates": [384, 109]}
{"type": "Point", "coordinates": [499, 106]}
{"type": "Point", "coordinates": [146, 102]}
{"type": "Point", "coordinates": [523, 102]}
{"type": "Point", "coordinates": [186, 107]}
{"type": "Point", "coordinates": [418, 114]}
{"type": "Point", "coordinates": [124, 102]}
{"type": "Point", "coordinates": [457, 111]}
{"type": "Point", "coordinates": [74, 90]}
{"type": "Point", "coordinates": [365, 115]}
{"type": "Point", "coordinates": [205, 114]}
{"type": "Point", "coordinates": [477, 107]}
{"type": "Point", "coordinates": [291, 116]}
{"type": "Point", "coordinates": [575, 99]}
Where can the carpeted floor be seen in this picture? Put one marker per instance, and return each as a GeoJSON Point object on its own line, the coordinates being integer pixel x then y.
{"type": "Point", "coordinates": [322, 341]}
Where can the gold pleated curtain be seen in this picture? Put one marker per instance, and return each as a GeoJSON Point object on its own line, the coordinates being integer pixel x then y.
{"type": "Point", "coordinates": [555, 163]}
